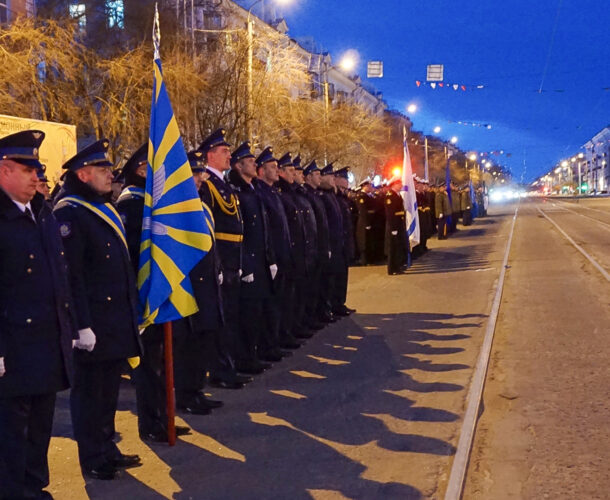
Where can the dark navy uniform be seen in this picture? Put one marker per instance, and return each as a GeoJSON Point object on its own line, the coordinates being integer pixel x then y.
{"type": "Point", "coordinates": [37, 330]}
{"type": "Point", "coordinates": [349, 249]}
{"type": "Point", "coordinates": [318, 307]}
{"type": "Point", "coordinates": [333, 277]}
{"type": "Point", "coordinates": [221, 198]}
{"type": "Point", "coordinates": [257, 257]}
{"type": "Point", "coordinates": [396, 240]}
{"type": "Point", "coordinates": [364, 227]}
{"type": "Point", "coordinates": [104, 288]}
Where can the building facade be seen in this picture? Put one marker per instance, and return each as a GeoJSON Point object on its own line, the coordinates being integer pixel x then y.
{"type": "Point", "coordinates": [597, 162]}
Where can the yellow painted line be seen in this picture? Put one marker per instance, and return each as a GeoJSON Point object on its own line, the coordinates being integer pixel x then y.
{"type": "Point", "coordinates": [371, 328]}
{"type": "Point", "coordinates": [305, 374]}
{"type": "Point", "coordinates": [354, 337]}
{"type": "Point", "coordinates": [210, 444]}
{"type": "Point", "coordinates": [327, 495]}
{"type": "Point", "coordinates": [288, 394]}
{"type": "Point", "coordinates": [326, 361]}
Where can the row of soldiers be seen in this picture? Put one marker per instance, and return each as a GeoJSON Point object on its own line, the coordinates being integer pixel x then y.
{"type": "Point", "coordinates": [379, 213]}
{"type": "Point", "coordinates": [276, 272]}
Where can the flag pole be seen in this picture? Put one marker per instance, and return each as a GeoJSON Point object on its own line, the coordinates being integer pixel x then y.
{"type": "Point", "coordinates": [169, 383]}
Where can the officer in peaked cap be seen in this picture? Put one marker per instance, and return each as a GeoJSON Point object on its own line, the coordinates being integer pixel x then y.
{"type": "Point", "coordinates": [293, 307]}
{"type": "Point", "coordinates": [298, 170]}
{"type": "Point", "coordinates": [396, 240]}
{"type": "Point", "coordinates": [36, 337]}
{"type": "Point", "coordinates": [258, 262]}
{"type": "Point", "coordinates": [349, 211]}
{"type": "Point", "coordinates": [279, 334]}
{"type": "Point", "coordinates": [104, 288]}
{"type": "Point", "coordinates": [365, 203]}
{"type": "Point", "coordinates": [331, 275]}
{"type": "Point", "coordinates": [222, 199]}
{"type": "Point", "coordinates": [317, 303]}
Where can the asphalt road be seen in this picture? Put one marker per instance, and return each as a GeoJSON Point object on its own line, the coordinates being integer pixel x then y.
{"type": "Point", "coordinates": [545, 428]}
{"type": "Point", "coordinates": [371, 407]}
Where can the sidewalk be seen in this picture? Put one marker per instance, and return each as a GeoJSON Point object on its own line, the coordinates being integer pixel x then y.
{"type": "Point", "coordinates": [369, 408]}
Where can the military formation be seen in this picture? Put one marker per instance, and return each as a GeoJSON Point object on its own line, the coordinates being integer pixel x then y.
{"type": "Point", "coordinates": [284, 235]}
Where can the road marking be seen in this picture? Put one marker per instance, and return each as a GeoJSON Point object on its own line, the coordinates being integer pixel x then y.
{"type": "Point", "coordinates": [305, 374]}
{"type": "Point", "coordinates": [354, 337]}
{"type": "Point", "coordinates": [326, 361]}
{"type": "Point", "coordinates": [578, 247]}
{"type": "Point", "coordinates": [462, 453]}
{"type": "Point", "coordinates": [288, 394]}
{"type": "Point", "coordinates": [605, 225]}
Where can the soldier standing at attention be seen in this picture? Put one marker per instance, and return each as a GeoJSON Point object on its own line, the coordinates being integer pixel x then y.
{"type": "Point", "coordinates": [442, 208]}
{"type": "Point", "coordinates": [217, 194]}
{"type": "Point", "coordinates": [347, 210]}
{"type": "Point", "coordinates": [397, 243]}
{"type": "Point", "coordinates": [38, 331]}
{"type": "Point", "coordinates": [104, 288]}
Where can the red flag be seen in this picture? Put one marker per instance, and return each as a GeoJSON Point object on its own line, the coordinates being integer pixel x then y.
{"type": "Point", "coordinates": [463, 87]}
{"type": "Point", "coordinates": [441, 84]}
{"type": "Point", "coordinates": [417, 82]}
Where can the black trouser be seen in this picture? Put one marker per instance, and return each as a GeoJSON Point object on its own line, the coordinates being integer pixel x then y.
{"type": "Point", "coordinates": [251, 326]}
{"type": "Point", "coordinates": [339, 289]}
{"type": "Point", "coordinates": [285, 304]}
{"type": "Point", "coordinates": [397, 252]}
{"type": "Point", "coordinates": [149, 378]}
{"type": "Point", "coordinates": [189, 360]}
{"type": "Point", "coordinates": [325, 282]}
{"type": "Point", "coordinates": [25, 432]}
{"type": "Point", "coordinates": [300, 302]}
{"type": "Point", "coordinates": [93, 403]}
{"type": "Point", "coordinates": [227, 340]}
{"type": "Point", "coordinates": [467, 218]}
{"type": "Point", "coordinates": [442, 228]}
{"type": "Point", "coordinates": [271, 317]}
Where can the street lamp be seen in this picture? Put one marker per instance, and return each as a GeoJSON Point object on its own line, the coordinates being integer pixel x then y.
{"type": "Point", "coordinates": [412, 108]}
{"type": "Point", "coordinates": [454, 140]}
{"type": "Point", "coordinates": [437, 129]}
{"type": "Point", "coordinates": [349, 61]}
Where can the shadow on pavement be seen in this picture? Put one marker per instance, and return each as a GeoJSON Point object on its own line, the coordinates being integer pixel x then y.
{"type": "Point", "coordinates": [337, 418]}
{"type": "Point", "coordinates": [439, 260]}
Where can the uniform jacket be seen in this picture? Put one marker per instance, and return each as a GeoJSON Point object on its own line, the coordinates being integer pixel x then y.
{"type": "Point", "coordinates": [347, 210]}
{"type": "Point", "coordinates": [101, 276]}
{"type": "Point", "coordinates": [396, 220]}
{"type": "Point", "coordinates": [465, 200]}
{"type": "Point", "coordinates": [335, 230]}
{"type": "Point", "coordinates": [36, 306]}
{"type": "Point", "coordinates": [278, 226]}
{"type": "Point", "coordinates": [441, 204]}
{"type": "Point", "coordinates": [257, 251]}
{"type": "Point", "coordinates": [295, 226]}
{"type": "Point", "coordinates": [310, 228]}
{"type": "Point", "coordinates": [131, 208]}
{"type": "Point", "coordinates": [315, 199]}
{"type": "Point", "coordinates": [222, 200]}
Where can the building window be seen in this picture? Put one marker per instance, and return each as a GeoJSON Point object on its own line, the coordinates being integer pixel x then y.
{"type": "Point", "coordinates": [115, 13]}
{"type": "Point", "coordinates": [77, 11]}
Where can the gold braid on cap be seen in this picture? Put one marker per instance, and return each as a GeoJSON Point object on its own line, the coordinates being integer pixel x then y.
{"type": "Point", "coordinates": [231, 208]}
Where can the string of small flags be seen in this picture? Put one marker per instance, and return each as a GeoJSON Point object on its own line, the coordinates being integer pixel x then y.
{"type": "Point", "coordinates": [473, 124]}
{"type": "Point", "coordinates": [448, 86]}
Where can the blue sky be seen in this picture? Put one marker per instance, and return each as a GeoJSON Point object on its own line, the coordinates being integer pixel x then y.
{"type": "Point", "coordinates": [512, 47]}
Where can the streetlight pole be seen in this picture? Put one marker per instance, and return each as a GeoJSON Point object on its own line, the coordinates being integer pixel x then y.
{"type": "Point", "coordinates": [426, 158]}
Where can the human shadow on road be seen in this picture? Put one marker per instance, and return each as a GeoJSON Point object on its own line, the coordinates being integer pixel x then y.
{"type": "Point", "coordinates": [440, 260]}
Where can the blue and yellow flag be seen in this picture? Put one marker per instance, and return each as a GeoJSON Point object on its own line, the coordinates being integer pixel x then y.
{"type": "Point", "coordinates": [175, 235]}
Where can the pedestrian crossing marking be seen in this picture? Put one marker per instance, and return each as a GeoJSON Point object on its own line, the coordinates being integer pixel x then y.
{"type": "Point", "coordinates": [288, 394]}
{"type": "Point", "coordinates": [354, 337]}
{"type": "Point", "coordinates": [209, 444]}
{"type": "Point", "coordinates": [371, 328]}
{"type": "Point", "coordinates": [326, 361]}
{"type": "Point", "coordinates": [306, 374]}
{"type": "Point", "coordinates": [327, 495]}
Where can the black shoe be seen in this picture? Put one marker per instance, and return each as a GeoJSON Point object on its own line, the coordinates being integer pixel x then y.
{"type": "Point", "coordinates": [249, 367]}
{"type": "Point", "coordinates": [340, 312]}
{"type": "Point", "coordinates": [162, 437]}
{"type": "Point", "coordinates": [210, 403]}
{"type": "Point", "coordinates": [303, 334]}
{"type": "Point", "coordinates": [273, 355]}
{"type": "Point", "coordinates": [290, 343]}
{"type": "Point", "coordinates": [315, 325]}
{"type": "Point", "coordinates": [286, 354]}
{"type": "Point", "coordinates": [226, 384]}
{"type": "Point", "coordinates": [351, 310]}
{"type": "Point", "coordinates": [182, 430]}
{"type": "Point", "coordinates": [194, 406]}
{"type": "Point", "coordinates": [127, 461]}
{"type": "Point", "coordinates": [105, 472]}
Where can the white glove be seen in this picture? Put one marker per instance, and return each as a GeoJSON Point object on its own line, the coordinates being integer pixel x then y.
{"type": "Point", "coordinates": [368, 227]}
{"type": "Point", "coordinates": [330, 254]}
{"type": "Point", "coordinates": [240, 273]}
{"type": "Point", "coordinates": [440, 216]}
{"type": "Point", "coordinates": [86, 339]}
{"type": "Point", "coordinates": [394, 233]}
{"type": "Point", "coordinates": [220, 278]}
{"type": "Point", "coordinates": [2, 369]}
{"type": "Point", "coordinates": [249, 278]}
{"type": "Point", "coordinates": [273, 269]}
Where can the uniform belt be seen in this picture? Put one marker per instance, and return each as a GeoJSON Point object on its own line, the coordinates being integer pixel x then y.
{"type": "Point", "coordinates": [237, 238]}
{"type": "Point", "coordinates": [399, 213]}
